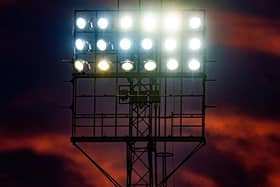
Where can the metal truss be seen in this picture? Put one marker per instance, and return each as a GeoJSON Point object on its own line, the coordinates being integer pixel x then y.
{"type": "Point", "coordinates": [144, 113]}
{"type": "Point", "coordinates": [147, 111]}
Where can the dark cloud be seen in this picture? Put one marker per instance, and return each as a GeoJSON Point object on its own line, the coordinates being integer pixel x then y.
{"type": "Point", "coordinates": [28, 169]}
{"type": "Point", "coordinates": [225, 168]}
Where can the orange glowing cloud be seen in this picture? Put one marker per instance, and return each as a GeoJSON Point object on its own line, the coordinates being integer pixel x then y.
{"type": "Point", "coordinates": [197, 180]}
{"type": "Point", "coordinates": [245, 32]}
{"type": "Point", "coordinates": [59, 145]}
{"type": "Point", "coordinates": [248, 140]}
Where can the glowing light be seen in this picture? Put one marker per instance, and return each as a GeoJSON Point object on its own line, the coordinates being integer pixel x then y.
{"type": "Point", "coordinates": [194, 64]}
{"type": "Point", "coordinates": [149, 22]}
{"type": "Point", "coordinates": [101, 45]}
{"type": "Point", "coordinates": [125, 44]}
{"type": "Point", "coordinates": [195, 44]}
{"type": "Point", "coordinates": [195, 23]}
{"type": "Point", "coordinates": [172, 64]}
{"type": "Point", "coordinates": [150, 65]}
{"type": "Point", "coordinates": [127, 65]}
{"type": "Point", "coordinates": [79, 65]}
{"type": "Point", "coordinates": [147, 44]}
{"type": "Point", "coordinates": [126, 22]}
{"type": "Point", "coordinates": [102, 23]}
{"type": "Point", "coordinates": [80, 44]}
{"type": "Point", "coordinates": [172, 22]}
{"type": "Point", "coordinates": [81, 23]}
{"type": "Point", "coordinates": [104, 65]}
{"type": "Point", "coordinates": [170, 44]}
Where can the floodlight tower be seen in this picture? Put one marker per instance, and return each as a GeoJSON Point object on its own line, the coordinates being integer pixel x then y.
{"type": "Point", "coordinates": [139, 77]}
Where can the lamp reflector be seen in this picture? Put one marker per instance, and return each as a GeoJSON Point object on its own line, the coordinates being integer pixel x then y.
{"type": "Point", "coordinates": [101, 45]}
{"type": "Point", "coordinates": [195, 44]}
{"type": "Point", "coordinates": [170, 44]}
{"type": "Point", "coordinates": [172, 22]}
{"type": "Point", "coordinates": [81, 23]}
{"type": "Point", "coordinates": [125, 44]}
{"type": "Point", "coordinates": [147, 44]}
{"type": "Point", "coordinates": [150, 65]}
{"type": "Point", "coordinates": [80, 44]}
{"type": "Point", "coordinates": [195, 22]}
{"type": "Point", "coordinates": [104, 65]}
{"type": "Point", "coordinates": [194, 64]}
{"type": "Point", "coordinates": [102, 23]}
{"type": "Point", "coordinates": [126, 22]}
{"type": "Point", "coordinates": [79, 65]}
{"type": "Point", "coordinates": [172, 64]}
{"type": "Point", "coordinates": [149, 22]}
{"type": "Point", "coordinates": [127, 65]}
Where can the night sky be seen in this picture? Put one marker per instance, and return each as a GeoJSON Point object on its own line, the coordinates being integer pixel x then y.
{"type": "Point", "coordinates": [243, 132]}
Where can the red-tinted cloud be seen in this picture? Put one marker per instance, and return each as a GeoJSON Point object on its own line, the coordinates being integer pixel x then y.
{"type": "Point", "coordinates": [245, 31]}
{"type": "Point", "coordinates": [59, 145]}
{"type": "Point", "coordinates": [251, 142]}
{"type": "Point", "coordinates": [197, 180]}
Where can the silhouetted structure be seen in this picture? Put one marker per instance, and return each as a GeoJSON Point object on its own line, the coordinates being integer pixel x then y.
{"type": "Point", "coordinates": [148, 110]}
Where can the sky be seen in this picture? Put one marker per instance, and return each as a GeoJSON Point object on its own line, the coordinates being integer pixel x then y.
{"type": "Point", "coordinates": [243, 132]}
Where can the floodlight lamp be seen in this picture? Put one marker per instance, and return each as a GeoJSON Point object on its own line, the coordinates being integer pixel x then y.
{"type": "Point", "coordinates": [101, 45]}
{"type": "Point", "coordinates": [170, 44]}
{"type": "Point", "coordinates": [82, 44]}
{"type": "Point", "coordinates": [147, 44]}
{"type": "Point", "coordinates": [150, 65]}
{"type": "Point", "coordinates": [149, 22]}
{"type": "Point", "coordinates": [125, 44]}
{"type": "Point", "coordinates": [195, 44]}
{"type": "Point", "coordinates": [81, 23]}
{"type": "Point", "coordinates": [104, 65]}
{"type": "Point", "coordinates": [80, 65]}
{"type": "Point", "coordinates": [172, 64]}
{"type": "Point", "coordinates": [195, 22]}
{"type": "Point", "coordinates": [127, 65]}
{"type": "Point", "coordinates": [102, 23]}
{"type": "Point", "coordinates": [172, 22]}
{"type": "Point", "coordinates": [194, 64]}
{"type": "Point", "coordinates": [126, 22]}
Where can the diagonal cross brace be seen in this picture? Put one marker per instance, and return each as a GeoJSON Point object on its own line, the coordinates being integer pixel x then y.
{"type": "Point", "coordinates": [105, 173]}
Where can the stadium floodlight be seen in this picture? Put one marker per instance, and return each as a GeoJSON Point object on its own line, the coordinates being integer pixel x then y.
{"type": "Point", "coordinates": [195, 22]}
{"type": "Point", "coordinates": [147, 44]}
{"type": "Point", "coordinates": [149, 22]}
{"type": "Point", "coordinates": [82, 44]}
{"type": "Point", "coordinates": [172, 64]}
{"type": "Point", "coordinates": [195, 44]}
{"type": "Point", "coordinates": [104, 65]}
{"type": "Point", "coordinates": [102, 23]}
{"type": "Point", "coordinates": [125, 44]}
{"type": "Point", "coordinates": [150, 65]}
{"type": "Point", "coordinates": [135, 66]}
{"type": "Point", "coordinates": [170, 44]}
{"type": "Point", "coordinates": [80, 65]}
{"type": "Point", "coordinates": [172, 22]}
{"type": "Point", "coordinates": [127, 65]}
{"type": "Point", "coordinates": [101, 45]}
{"type": "Point", "coordinates": [194, 64]}
{"type": "Point", "coordinates": [126, 22]}
{"type": "Point", "coordinates": [81, 23]}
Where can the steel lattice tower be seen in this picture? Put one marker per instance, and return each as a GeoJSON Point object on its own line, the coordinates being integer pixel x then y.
{"type": "Point", "coordinates": [148, 111]}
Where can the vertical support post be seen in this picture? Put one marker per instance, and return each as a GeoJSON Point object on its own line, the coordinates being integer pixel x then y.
{"type": "Point", "coordinates": [129, 163]}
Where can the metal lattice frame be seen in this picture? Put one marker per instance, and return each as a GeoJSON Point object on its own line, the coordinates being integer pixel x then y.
{"type": "Point", "coordinates": [146, 111]}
